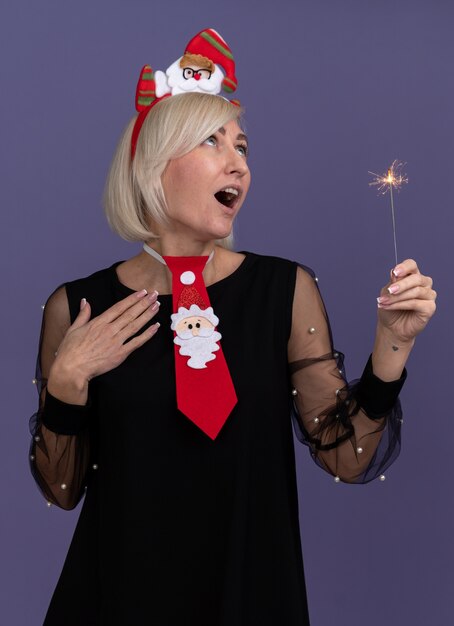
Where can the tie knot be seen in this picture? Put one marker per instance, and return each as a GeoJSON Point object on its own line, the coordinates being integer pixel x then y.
{"type": "Point", "coordinates": [186, 268]}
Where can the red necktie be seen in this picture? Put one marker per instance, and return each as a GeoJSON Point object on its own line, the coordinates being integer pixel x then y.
{"type": "Point", "coordinates": [205, 391]}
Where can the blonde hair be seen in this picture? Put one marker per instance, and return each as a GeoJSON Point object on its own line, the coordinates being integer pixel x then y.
{"type": "Point", "coordinates": [133, 195]}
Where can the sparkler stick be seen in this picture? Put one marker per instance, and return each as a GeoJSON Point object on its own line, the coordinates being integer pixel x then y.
{"type": "Point", "coordinates": [394, 178]}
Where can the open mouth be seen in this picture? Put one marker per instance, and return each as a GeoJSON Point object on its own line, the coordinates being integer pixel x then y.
{"type": "Point", "coordinates": [227, 196]}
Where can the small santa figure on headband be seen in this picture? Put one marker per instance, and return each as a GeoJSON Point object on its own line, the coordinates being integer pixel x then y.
{"type": "Point", "coordinates": [199, 69]}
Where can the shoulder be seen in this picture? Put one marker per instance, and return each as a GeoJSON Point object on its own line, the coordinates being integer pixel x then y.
{"type": "Point", "coordinates": [96, 278]}
{"type": "Point", "coordinates": [298, 280]}
{"type": "Point", "coordinates": [97, 288]}
{"type": "Point", "coordinates": [56, 310]}
{"type": "Point", "coordinates": [281, 267]}
{"type": "Point", "coordinates": [63, 304]}
{"type": "Point", "coordinates": [269, 262]}
{"type": "Point", "coordinates": [271, 278]}
{"type": "Point", "coordinates": [305, 277]}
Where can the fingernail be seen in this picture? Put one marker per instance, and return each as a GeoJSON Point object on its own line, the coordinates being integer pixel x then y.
{"type": "Point", "coordinates": [152, 297]}
{"type": "Point", "coordinates": [382, 300]}
{"type": "Point", "coordinates": [397, 272]}
{"type": "Point", "coordinates": [393, 289]}
{"type": "Point", "coordinates": [141, 293]}
{"type": "Point", "coordinates": [83, 302]}
{"type": "Point", "coordinates": [156, 306]}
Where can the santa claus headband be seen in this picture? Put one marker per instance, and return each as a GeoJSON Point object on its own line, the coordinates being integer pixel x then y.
{"type": "Point", "coordinates": [198, 70]}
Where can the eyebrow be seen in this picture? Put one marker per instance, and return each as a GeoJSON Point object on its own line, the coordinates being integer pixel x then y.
{"type": "Point", "coordinates": [239, 136]}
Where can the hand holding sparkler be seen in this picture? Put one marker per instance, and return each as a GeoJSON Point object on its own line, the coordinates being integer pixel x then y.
{"type": "Point", "coordinates": [405, 306]}
{"type": "Point", "coordinates": [393, 179]}
{"type": "Point", "coordinates": [406, 303]}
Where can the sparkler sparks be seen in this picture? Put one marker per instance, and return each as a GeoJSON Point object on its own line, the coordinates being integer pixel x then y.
{"type": "Point", "coordinates": [394, 178]}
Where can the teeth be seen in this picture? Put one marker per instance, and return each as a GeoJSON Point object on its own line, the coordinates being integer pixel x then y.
{"type": "Point", "coordinates": [231, 190]}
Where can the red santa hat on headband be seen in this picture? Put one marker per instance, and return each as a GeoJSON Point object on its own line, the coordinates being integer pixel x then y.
{"type": "Point", "coordinates": [211, 45]}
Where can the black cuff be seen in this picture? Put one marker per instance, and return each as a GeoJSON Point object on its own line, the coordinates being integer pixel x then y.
{"type": "Point", "coordinates": [63, 418]}
{"type": "Point", "coordinates": [375, 396]}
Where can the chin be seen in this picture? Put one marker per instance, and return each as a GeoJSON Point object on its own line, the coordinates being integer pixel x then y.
{"type": "Point", "coordinates": [221, 231]}
{"type": "Point", "coordinates": [223, 234]}
{"type": "Point", "coordinates": [219, 236]}
{"type": "Point", "coordinates": [226, 242]}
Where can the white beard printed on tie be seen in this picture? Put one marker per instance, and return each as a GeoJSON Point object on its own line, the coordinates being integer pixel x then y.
{"type": "Point", "coordinates": [196, 334]}
{"type": "Point", "coordinates": [195, 327]}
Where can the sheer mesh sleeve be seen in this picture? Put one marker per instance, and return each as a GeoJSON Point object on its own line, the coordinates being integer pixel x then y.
{"type": "Point", "coordinates": [352, 429]}
{"type": "Point", "coordinates": [59, 451]}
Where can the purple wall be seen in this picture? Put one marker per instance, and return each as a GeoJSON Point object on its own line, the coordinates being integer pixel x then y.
{"type": "Point", "coordinates": [332, 89]}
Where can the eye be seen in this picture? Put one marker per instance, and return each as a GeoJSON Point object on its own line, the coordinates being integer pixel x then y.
{"type": "Point", "coordinates": [243, 149]}
{"type": "Point", "coordinates": [211, 141]}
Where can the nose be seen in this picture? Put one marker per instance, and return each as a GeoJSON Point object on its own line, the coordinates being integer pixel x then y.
{"type": "Point", "coordinates": [235, 163]}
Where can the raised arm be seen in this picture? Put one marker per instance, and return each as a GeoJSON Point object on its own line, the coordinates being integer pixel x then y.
{"type": "Point", "coordinates": [60, 451]}
{"type": "Point", "coordinates": [70, 356]}
{"type": "Point", "coordinates": [353, 430]}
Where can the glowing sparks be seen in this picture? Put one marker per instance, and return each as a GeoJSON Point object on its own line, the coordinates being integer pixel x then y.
{"type": "Point", "coordinates": [394, 178]}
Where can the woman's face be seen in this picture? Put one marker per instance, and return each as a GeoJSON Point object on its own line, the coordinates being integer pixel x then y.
{"type": "Point", "coordinates": [205, 188]}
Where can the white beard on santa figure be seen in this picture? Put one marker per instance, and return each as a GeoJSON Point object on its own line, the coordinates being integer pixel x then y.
{"type": "Point", "coordinates": [174, 82]}
{"type": "Point", "coordinates": [200, 349]}
{"type": "Point", "coordinates": [196, 334]}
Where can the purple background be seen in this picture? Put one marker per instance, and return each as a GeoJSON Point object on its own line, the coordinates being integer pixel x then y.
{"type": "Point", "coordinates": [332, 89]}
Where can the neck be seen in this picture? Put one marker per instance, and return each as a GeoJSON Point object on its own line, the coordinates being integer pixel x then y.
{"type": "Point", "coordinates": [177, 247]}
{"type": "Point", "coordinates": [211, 273]}
{"type": "Point", "coordinates": [164, 259]}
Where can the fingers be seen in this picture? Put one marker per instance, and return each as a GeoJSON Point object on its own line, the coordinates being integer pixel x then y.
{"type": "Point", "coordinates": [408, 289]}
{"type": "Point", "coordinates": [406, 276]}
{"type": "Point", "coordinates": [92, 348]}
{"type": "Point", "coordinates": [119, 308]}
{"type": "Point", "coordinates": [131, 314]}
{"type": "Point", "coordinates": [416, 293]}
{"type": "Point", "coordinates": [409, 266]}
{"type": "Point", "coordinates": [84, 314]}
{"type": "Point", "coordinates": [425, 307]}
{"type": "Point", "coordinates": [406, 268]}
{"type": "Point", "coordinates": [138, 341]}
{"type": "Point", "coordinates": [133, 327]}
{"type": "Point", "coordinates": [399, 286]}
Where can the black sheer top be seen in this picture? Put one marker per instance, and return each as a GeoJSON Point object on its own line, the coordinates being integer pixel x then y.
{"type": "Point", "coordinates": [178, 528]}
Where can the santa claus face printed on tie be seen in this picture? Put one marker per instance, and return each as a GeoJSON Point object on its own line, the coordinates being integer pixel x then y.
{"type": "Point", "coordinates": [196, 334]}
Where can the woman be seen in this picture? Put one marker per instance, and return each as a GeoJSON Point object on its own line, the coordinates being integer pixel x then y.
{"type": "Point", "coordinates": [178, 527]}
